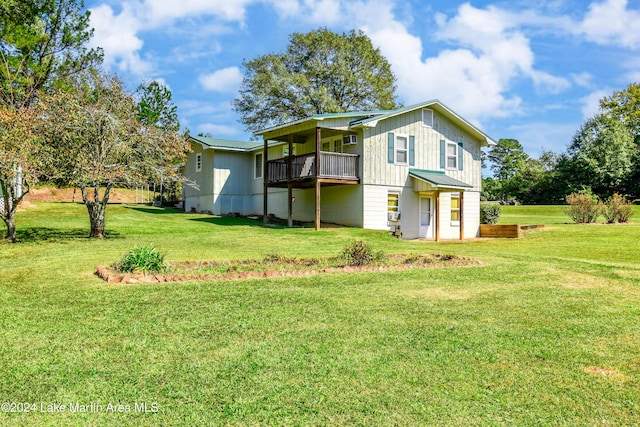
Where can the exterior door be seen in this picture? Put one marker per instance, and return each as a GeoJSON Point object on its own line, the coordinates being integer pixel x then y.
{"type": "Point", "coordinates": [426, 217]}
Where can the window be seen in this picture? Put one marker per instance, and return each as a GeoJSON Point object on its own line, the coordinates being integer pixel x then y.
{"type": "Point", "coordinates": [393, 207]}
{"type": "Point", "coordinates": [452, 155]}
{"type": "Point", "coordinates": [258, 166]}
{"type": "Point", "coordinates": [427, 118]}
{"type": "Point", "coordinates": [326, 146]}
{"type": "Point", "coordinates": [455, 208]}
{"type": "Point", "coordinates": [199, 162]}
{"type": "Point", "coordinates": [402, 150]}
{"type": "Point", "coordinates": [337, 146]}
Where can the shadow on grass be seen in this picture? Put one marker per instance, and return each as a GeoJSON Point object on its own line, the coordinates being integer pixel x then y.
{"type": "Point", "coordinates": [46, 234]}
{"type": "Point", "coordinates": [157, 211]}
{"type": "Point", "coordinates": [231, 221]}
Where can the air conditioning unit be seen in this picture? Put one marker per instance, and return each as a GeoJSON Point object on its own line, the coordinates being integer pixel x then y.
{"type": "Point", "coordinates": [350, 140]}
{"type": "Point", "coordinates": [394, 216]}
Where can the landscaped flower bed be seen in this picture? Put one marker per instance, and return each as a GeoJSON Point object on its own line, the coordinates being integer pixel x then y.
{"type": "Point", "coordinates": [276, 266]}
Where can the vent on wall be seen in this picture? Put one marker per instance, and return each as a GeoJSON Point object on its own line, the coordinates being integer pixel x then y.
{"type": "Point", "coordinates": [350, 140]}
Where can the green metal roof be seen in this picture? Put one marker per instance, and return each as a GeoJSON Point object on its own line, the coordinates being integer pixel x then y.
{"type": "Point", "coordinates": [226, 144]}
{"type": "Point", "coordinates": [437, 179]}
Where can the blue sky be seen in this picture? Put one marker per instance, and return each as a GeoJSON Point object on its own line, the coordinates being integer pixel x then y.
{"type": "Point", "coordinates": [517, 69]}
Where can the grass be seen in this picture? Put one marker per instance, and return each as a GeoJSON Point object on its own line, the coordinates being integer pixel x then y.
{"type": "Point", "coordinates": [546, 332]}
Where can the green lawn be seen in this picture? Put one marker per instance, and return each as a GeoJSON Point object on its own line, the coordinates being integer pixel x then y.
{"type": "Point", "coordinates": [546, 332]}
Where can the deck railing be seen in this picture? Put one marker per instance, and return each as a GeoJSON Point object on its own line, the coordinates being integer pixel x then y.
{"type": "Point", "coordinates": [332, 165]}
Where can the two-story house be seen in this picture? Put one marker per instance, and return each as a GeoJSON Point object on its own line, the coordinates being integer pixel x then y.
{"type": "Point", "coordinates": [415, 171]}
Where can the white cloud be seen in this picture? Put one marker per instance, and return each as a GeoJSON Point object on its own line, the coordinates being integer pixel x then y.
{"type": "Point", "coordinates": [611, 23]}
{"type": "Point", "coordinates": [324, 12]}
{"type": "Point", "coordinates": [474, 77]}
{"type": "Point", "coordinates": [117, 35]}
{"type": "Point", "coordinates": [157, 13]}
{"type": "Point", "coordinates": [591, 102]}
{"type": "Point", "coordinates": [218, 130]}
{"type": "Point", "coordinates": [226, 80]}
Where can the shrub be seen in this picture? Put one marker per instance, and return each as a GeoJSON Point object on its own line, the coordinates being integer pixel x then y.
{"type": "Point", "coordinates": [617, 209]}
{"type": "Point", "coordinates": [359, 253]}
{"type": "Point", "coordinates": [584, 206]}
{"type": "Point", "coordinates": [490, 213]}
{"type": "Point", "coordinates": [142, 258]}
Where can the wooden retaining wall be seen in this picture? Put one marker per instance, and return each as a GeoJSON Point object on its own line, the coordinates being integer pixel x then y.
{"type": "Point", "coordinates": [506, 230]}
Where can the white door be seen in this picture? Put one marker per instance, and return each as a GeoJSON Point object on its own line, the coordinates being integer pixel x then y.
{"type": "Point", "coordinates": [426, 217]}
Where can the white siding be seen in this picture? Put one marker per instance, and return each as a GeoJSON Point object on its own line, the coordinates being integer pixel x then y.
{"type": "Point", "coordinates": [377, 170]}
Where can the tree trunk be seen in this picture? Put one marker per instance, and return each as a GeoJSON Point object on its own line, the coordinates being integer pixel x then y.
{"type": "Point", "coordinates": [97, 209]}
{"type": "Point", "coordinates": [10, 222]}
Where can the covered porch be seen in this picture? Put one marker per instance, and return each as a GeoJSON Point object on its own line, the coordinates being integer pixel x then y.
{"type": "Point", "coordinates": [429, 187]}
{"type": "Point", "coordinates": [315, 169]}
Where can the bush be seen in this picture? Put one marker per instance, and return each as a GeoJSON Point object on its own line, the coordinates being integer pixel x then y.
{"type": "Point", "coordinates": [142, 258]}
{"type": "Point", "coordinates": [584, 206]}
{"type": "Point", "coordinates": [490, 213]}
{"type": "Point", "coordinates": [359, 253]}
{"type": "Point", "coordinates": [617, 209]}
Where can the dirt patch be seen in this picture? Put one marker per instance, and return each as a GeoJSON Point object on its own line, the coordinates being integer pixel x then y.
{"type": "Point", "coordinates": [52, 194]}
{"type": "Point", "coordinates": [277, 266]}
{"type": "Point", "coordinates": [600, 371]}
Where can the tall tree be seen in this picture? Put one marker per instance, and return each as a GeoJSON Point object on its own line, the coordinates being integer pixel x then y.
{"type": "Point", "coordinates": [624, 105]}
{"type": "Point", "coordinates": [320, 72]}
{"type": "Point", "coordinates": [101, 142]}
{"type": "Point", "coordinates": [19, 162]}
{"type": "Point", "coordinates": [41, 42]}
{"type": "Point", "coordinates": [155, 107]}
{"type": "Point", "coordinates": [507, 158]}
{"type": "Point", "coordinates": [602, 155]}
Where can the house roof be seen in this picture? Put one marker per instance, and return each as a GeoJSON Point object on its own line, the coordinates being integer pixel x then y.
{"type": "Point", "coordinates": [437, 179]}
{"type": "Point", "coordinates": [320, 117]}
{"type": "Point", "coordinates": [436, 105]}
{"type": "Point", "coordinates": [371, 119]}
{"type": "Point", "coordinates": [226, 144]}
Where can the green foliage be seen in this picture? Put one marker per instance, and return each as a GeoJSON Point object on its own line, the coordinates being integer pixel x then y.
{"type": "Point", "coordinates": [584, 206]}
{"type": "Point", "coordinates": [491, 189]}
{"type": "Point", "coordinates": [42, 42]}
{"type": "Point", "coordinates": [142, 258]}
{"type": "Point", "coordinates": [624, 105]}
{"type": "Point", "coordinates": [602, 155]}
{"type": "Point", "coordinates": [617, 209]}
{"type": "Point", "coordinates": [490, 213]}
{"type": "Point", "coordinates": [359, 253]}
{"type": "Point", "coordinates": [320, 72]}
{"type": "Point", "coordinates": [155, 107]}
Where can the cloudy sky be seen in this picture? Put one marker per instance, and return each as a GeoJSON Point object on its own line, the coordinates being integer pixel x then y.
{"type": "Point", "coordinates": [518, 69]}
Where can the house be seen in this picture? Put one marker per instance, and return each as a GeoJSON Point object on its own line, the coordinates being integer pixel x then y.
{"type": "Point", "coordinates": [415, 171]}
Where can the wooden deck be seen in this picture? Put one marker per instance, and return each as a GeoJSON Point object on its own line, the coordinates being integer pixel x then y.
{"type": "Point", "coordinates": [335, 168]}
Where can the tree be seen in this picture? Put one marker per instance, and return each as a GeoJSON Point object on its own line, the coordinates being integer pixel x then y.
{"type": "Point", "coordinates": [19, 163]}
{"type": "Point", "coordinates": [155, 107]}
{"type": "Point", "coordinates": [100, 142]}
{"type": "Point", "coordinates": [624, 105]}
{"type": "Point", "coordinates": [320, 72]}
{"type": "Point", "coordinates": [507, 158]}
{"type": "Point", "coordinates": [602, 155]}
{"type": "Point", "coordinates": [41, 42]}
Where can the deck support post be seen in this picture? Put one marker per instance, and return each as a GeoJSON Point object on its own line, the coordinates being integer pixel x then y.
{"type": "Point", "coordinates": [265, 180]}
{"type": "Point", "coordinates": [289, 184]}
{"type": "Point", "coordinates": [317, 177]}
{"type": "Point", "coordinates": [461, 215]}
{"type": "Point", "coordinates": [437, 202]}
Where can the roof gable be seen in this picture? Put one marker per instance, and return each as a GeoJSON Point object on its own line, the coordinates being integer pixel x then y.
{"type": "Point", "coordinates": [437, 106]}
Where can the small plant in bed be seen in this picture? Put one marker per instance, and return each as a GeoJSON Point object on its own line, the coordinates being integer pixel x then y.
{"type": "Point", "coordinates": [146, 259]}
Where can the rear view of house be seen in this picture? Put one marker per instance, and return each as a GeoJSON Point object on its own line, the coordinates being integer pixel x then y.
{"type": "Point", "coordinates": [415, 171]}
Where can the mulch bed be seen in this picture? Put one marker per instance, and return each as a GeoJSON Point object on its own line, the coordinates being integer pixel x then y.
{"type": "Point", "coordinates": [277, 267]}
